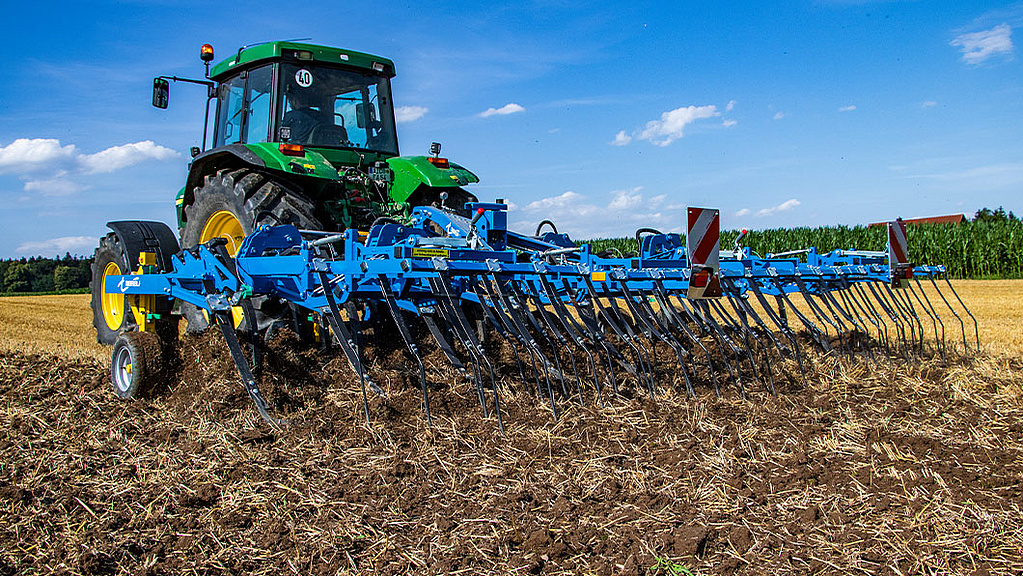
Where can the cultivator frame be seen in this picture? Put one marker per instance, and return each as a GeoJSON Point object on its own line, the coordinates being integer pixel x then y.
{"type": "Point", "coordinates": [564, 309]}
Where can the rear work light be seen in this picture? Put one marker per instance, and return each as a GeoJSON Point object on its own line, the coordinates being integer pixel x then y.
{"type": "Point", "coordinates": [701, 279]}
{"type": "Point", "coordinates": [439, 162]}
{"type": "Point", "coordinates": [292, 149]}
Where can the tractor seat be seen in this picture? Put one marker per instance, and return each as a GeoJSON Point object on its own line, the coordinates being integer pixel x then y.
{"type": "Point", "coordinates": [328, 135]}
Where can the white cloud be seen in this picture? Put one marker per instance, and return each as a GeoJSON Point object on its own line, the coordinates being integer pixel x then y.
{"type": "Point", "coordinates": [58, 185]}
{"type": "Point", "coordinates": [730, 105]}
{"type": "Point", "coordinates": [82, 245]}
{"type": "Point", "coordinates": [742, 212]}
{"type": "Point", "coordinates": [409, 113]}
{"type": "Point", "coordinates": [31, 154]}
{"type": "Point", "coordinates": [780, 115]}
{"type": "Point", "coordinates": [118, 157]}
{"type": "Point", "coordinates": [729, 123]}
{"type": "Point", "coordinates": [621, 139]}
{"type": "Point", "coordinates": [848, 108]}
{"type": "Point", "coordinates": [979, 46]}
{"type": "Point", "coordinates": [672, 123]}
{"type": "Point", "coordinates": [616, 214]}
{"type": "Point", "coordinates": [783, 207]}
{"type": "Point", "coordinates": [510, 108]}
{"type": "Point", "coordinates": [928, 104]}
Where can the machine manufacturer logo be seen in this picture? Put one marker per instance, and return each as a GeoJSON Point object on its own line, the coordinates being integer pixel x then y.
{"type": "Point", "coordinates": [123, 285]}
{"type": "Point", "coordinates": [703, 242]}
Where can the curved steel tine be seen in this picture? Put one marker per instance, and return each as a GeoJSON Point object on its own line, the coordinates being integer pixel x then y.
{"type": "Point", "coordinates": [908, 303]}
{"type": "Point", "coordinates": [720, 340]}
{"type": "Point", "coordinates": [490, 311]}
{"type": "Point", "coordinates": [513, 330]}
{"type": "Point", "coordinates": [344, 338]}
{"type": "Point", "coordinates": [976, 328]}
{"type": "Point", "coordinates": [406, 335]}
{"type": "Point", "coordinates": [747, 332]}
{"type": "Point", "coordinates": [545, 315]}
{"type": "Point", "coordinates": [737, 350]}
{"type": "Point", "coordinates": [857, 297]}
{"type": "Point", "coordinates": [834, 305]}
{"type": "Point", "coordinates": [675, 321]}
{"type": "Point", "coordinates": [574, 333]}
{"type": "Point", "coordinates": [605, 314]}
{"type": "Point", "coordinates": [780, 321]}
{"type": "Point", "coordinates": [816, 333]}
{"type": "Point", "coordinates": [819, 313]}
{"type": "Point", "coordinates": [641, 310]}
{"type": "Point", "coordinates": [934, 315]}
{"type": "Point", "coordinates": [896, 319]}
{"type": "Point", "coordinates": [588, 320]}
{"type": "Point", "coordinates": [934, 319]}
{"type": "Point", "coordinates": [531, 320]}
{"type": "Point", "coordinates": [907, 315]}
{"type": "Point", "coordinates": [962, 325]}
{"type": "Point", "coordinates": [514, 312]}
{"type": "Point", "coordinates": [469, 340]}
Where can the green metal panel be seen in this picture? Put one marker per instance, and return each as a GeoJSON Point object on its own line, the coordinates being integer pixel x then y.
{"type": "Point", "coordinates": [312, 163]}
{"type": "Point", "coordinates": [179, 207]}
{"type": "Point", "coordinates": [411, 171]}
{"type": "Point", "coordinates": [320, 54]}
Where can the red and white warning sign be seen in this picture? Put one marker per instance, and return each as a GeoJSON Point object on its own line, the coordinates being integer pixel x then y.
{"type": "Point", "coordinates": [703, 242]}
{"type": "Point", "coordinates": [898, 254]}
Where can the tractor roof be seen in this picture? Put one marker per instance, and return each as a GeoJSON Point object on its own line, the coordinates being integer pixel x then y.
{"type": "Point", "coordinates": [311, 52]}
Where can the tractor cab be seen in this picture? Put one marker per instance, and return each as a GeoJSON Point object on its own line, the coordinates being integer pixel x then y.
{"type": "Point", "coordinates": [305, 95]}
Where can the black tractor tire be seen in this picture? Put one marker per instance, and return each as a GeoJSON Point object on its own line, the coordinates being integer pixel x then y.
{"type": "Point", "coordinates": [111, 314]}
{"type": "Point", "coordinates": [135, 364]}
{"type": "Point", "coordinates": [253, 198]}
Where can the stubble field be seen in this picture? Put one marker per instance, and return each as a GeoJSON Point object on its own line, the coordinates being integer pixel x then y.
{"type": "Point", "coordinates": [875, 468]}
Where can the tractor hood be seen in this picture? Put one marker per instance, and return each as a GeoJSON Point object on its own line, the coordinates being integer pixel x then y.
{"type": "Point", "coordinates": [412, 171]}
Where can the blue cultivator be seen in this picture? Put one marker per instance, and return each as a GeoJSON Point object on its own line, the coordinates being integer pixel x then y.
{"type": "Point", "coordinates": [582, 325]}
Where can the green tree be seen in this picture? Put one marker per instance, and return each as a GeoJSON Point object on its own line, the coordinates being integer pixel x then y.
{"type": "Point", "coordinates": [17, 278]}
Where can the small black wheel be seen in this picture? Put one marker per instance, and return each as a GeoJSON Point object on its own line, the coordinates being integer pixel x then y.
{"type": "Point", "coordinates": [135, 364]}
{"type": "Point", "coordinates": [111, 314]}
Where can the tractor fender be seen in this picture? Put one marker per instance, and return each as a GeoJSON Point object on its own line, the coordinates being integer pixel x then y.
{"type": "Point", "coordinates": [410, 172]}
{"type": "Point", "coordinates": [212, 160]}
{"type": "Point", "coordinates": [139, 236]}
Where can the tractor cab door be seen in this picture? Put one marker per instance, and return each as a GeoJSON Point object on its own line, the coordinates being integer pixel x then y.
{"type": "Point", "coordinates": [244, 108]}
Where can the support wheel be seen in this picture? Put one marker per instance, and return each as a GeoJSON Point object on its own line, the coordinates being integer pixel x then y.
{"type": "Point", "coordinates": [111, 314]}
{"type": "Point", "coordinates": [135, 364]}
{"type": "Point", "coordinates": [230, 205]}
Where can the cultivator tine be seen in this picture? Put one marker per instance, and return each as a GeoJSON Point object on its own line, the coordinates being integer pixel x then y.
{"type": "Point", "coordinates": [224, 320]}
{"type": "Point", "coordinates": [344, 338]}
{"type": "Point", "coordinates": [523, 301]}
{"type": "Point", "coordinates": [858, 295]}
{"type": "Point", "coordinates": [604, 313]}
{"type": "Point", "coordinates": [490, 310]}
{"type": "Point", "coordinates": [976, 329]}
{"type": "Point", "coordinates": [427, 313]}
{"type": "Point", "coordinates": [939, 343]}
{"type": "Point", "coordinates": [451, 311]}
{"type": "Point", "coordinates": [511, 331]}
{"type": "Point", "coordinates": [962, 325]}
{"type": "Point", "coordinates": [779, 320]}
{"type": "Point", "coordinates": [514, 310]}
{"type": "Point", "coordinates": [588, 320]}
{"type": "Point", "coordinates": [406, 335]}
{"type": "Point", "coordinates": [640, 309]}
{"type": "Point", "coordinates": [574, 332]}
{"type": "Point", "coordinates": [676, 322]}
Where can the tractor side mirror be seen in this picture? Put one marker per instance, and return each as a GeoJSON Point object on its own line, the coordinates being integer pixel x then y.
{"type": "Point", "coordinates": [360, 115]}
{"type": "Point", "coordinates": [161, 92]}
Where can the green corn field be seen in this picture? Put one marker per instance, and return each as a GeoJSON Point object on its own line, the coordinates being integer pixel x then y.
{"type": "Point", "coordinates": [973, 249]}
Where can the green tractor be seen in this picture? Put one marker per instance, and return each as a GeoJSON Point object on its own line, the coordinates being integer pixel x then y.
{"type": "Point", "coordinates": [302, 135]}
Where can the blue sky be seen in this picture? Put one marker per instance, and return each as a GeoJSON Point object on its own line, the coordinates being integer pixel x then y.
{"type": "Point", "coordinates": [604, 117]}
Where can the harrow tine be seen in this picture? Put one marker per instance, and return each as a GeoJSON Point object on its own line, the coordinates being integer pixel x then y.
{"type": "Point", "coordinates": [816, 334]}
{"type": "Point", "coordinates": [573, 333]}
{"type": "Point", "coordinates": [833, 304]}
{"type": "Point", "coordinates": [464, 332]}
{"type": "Point", "coordinates": [780, 321]}
{"type": "Point", "coordinates": [490, 311]}
{"type": "Point", "coordinates": [720, 340]}
{"type": "Point", "coordinates": [859, 297]}
{"type": "Point", "coordinates": [976, 330]}
{"type": "Point", "coordinates": [640, 309]}
{"type": "Point", "coordinates": [588, 320]}
{"type": "Point", "coordinates": [674, 321]}
{"type": "Point", "coordinates": [700, 307]}
{"type": "Point", "coordinates": [344, 338]}
{"type": "Point", "coordinates": [647, 368]}
{"type": "Point", "coordinates": [893, 315]}
{"type": "Point", "coordinates": [934, 320]}
{"type": "Point", "coordinates": [513, 332]}
{"type": "Point", "coordinates": [962, 325]}
{"type": "Point", "coordinates": [524, 299]}
{"type": "Point", "coordinates": [513, 311]}
{"type": "Point", "coordinates": [406, 335]}
{"type": "Point", "coordinates": [934, 314]}
{"type": "Point", "coordinates": [744, 311]}
{"type": "Point", "coordinates": [906, 316]}
{"type": "Point", "coordinates": [603, 314]}
{"type": "Point", "coordinates": [818, 313]}
{"type": "Point", "coordinates": [551, 329]}
{"type": "Point", "coordinates": [226, 323]}
{"type": "Point", "coordinates": [737, 328]}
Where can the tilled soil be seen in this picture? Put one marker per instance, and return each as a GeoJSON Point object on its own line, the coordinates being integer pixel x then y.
{"type": "Point", "coordinates": [887, 468]}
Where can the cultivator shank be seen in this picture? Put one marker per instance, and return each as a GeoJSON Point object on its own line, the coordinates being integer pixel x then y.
{"type": "Point", "coordinates": [582, 326]}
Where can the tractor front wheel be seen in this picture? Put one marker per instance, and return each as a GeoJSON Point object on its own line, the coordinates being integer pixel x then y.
{"type": "Point", "coordinates": [111, 314]}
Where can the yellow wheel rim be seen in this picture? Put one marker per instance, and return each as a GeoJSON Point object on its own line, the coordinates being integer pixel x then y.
{"type": "Point", "coordinates": [113, 303]}
{"type": "Point", "coordinates": [223, 224]}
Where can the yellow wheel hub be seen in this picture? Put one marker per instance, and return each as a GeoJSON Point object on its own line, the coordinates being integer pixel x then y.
{"type": "Point", "coordinates": [224, 224]}
{"type": "Point", "coordinates": [113, 303]}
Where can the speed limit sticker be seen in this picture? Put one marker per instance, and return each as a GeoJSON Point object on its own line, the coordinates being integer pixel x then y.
{"type": "Point", "coordinates": [304, 78]}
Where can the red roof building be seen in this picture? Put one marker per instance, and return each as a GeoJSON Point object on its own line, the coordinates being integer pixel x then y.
{"type": "Point", "coordinates": [950, 219]}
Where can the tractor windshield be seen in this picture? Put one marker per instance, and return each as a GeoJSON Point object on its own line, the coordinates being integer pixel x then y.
{"type": "Point", "coordinates": [335, 108]}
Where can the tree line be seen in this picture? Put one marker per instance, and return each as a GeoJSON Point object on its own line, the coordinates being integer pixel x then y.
{"type": "Point", "coordinates": [38, 274]}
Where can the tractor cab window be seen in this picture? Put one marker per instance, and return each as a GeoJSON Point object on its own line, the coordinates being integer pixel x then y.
{"type": "Point", "coordinates": [243, 105]}
{"type": "Point", "coordinates": [333, 108]}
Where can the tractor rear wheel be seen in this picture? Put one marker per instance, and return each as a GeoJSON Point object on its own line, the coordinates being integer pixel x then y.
{"type": "Point", "coordinates": [111, 314]}
{"type": "Point", "coordinates": [231, 205]}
